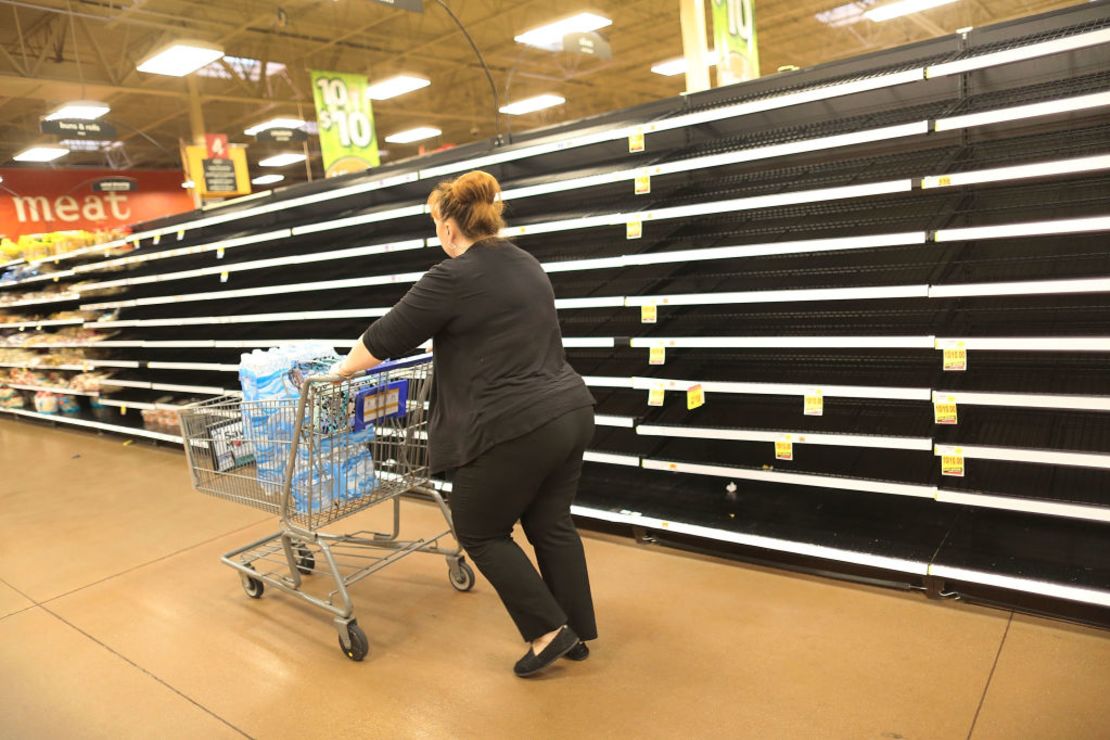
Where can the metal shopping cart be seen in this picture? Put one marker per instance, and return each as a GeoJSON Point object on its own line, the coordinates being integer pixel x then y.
{"type": "Point", "coordinates": [338, 449]}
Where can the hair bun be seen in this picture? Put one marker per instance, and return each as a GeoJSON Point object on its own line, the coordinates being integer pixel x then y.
{"type": "Point", "coordinates": [475, 187]}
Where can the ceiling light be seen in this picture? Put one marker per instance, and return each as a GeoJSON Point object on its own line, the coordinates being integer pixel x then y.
{"type": "Point", "coordinates": [677, 66]}
{"type": "Point", "coordinates": [180, 58]}
{"type": "Point", "coordinates": [531, 105]}
{"type": "Point", "coordinates": [281, 160]}
{"type": "Point", "coordinates": [905, 7]}
{"type": "Point", "coordinates": [267, 179]}
{"type": "Point", "coordinates": [550, 36]}
{"type": "Point", "coordinates": [40, 154]}
{"type": "Point", "coordinates": [83, 110]}
{"type": "Point", "coordinates": [278, 122]}
{"type": "Point", "coordinates": [394, 86]}
{"type": "Point", "coordinates": [413, 134]}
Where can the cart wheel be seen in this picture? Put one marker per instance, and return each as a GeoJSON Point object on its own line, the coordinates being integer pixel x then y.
{"type": "Point", "coordinates": [253, 586]}
{"type": "Point", "coordinates": [461, 575]}
{"type": "Point", "coordinates": [360, 646]}
{"type": "Point", "coordinates": [306, 561]}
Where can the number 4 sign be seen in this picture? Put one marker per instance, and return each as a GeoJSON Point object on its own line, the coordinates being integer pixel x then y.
{"type": "Point", "coordinates": [216, 144]}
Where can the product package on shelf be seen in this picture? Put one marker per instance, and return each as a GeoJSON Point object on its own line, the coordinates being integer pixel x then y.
{"type": "Point", "coordinates": [339, 466]}
{"type": "Point", "coordinates": [10, 398]}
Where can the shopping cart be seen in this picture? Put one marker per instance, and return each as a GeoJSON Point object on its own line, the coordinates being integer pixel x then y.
{"type": "Point", "coordinates": [338, 449]}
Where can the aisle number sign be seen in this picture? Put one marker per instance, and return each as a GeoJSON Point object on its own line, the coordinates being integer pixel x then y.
{"type": "Point", "coordinates": [345, 120]}
{"type": "Point", "coordinates": [814, 403]}
{"type": "Point", "coordinates": [217, 178]}
{"type": "Point", "coordinates": [784, 448]}
{"type": "Point", "coordinates": [944, 412]}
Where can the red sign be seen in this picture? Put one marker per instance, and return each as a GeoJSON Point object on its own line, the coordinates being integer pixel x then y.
{"type": "Point", "coordinates": [216, 145]}
{"type": "Point", "coordinates": [38, 201]}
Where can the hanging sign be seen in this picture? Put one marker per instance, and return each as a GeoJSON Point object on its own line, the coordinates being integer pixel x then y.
{"type": "Point", "coordinates": [345, 121]}
{"type": "Point", "coordinates": [73, 128]}
{"type": "Point", "coordinates": [281, 135]}
{"type": "Point", "coordinates": [413, 6]}
{"type": "Point", "coordinates": [734, 39]}
{"type": "Point", "coordinates": [116, 185]}
{"type": "Point", "coordinates": [218, 178]}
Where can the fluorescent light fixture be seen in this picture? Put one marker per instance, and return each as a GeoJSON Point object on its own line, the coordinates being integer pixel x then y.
{"type": "Point", "coordinates": [905, 7]}
{"type": "Point", "coordinates": [531, 105]}
{"type": "Point", "coordinates": [1031, 228]}
{"type": "Point", "coordinates": [677, 66]}
{"type": "Point", "coordinates": [394, 86]}
{"type": "Point", "coordinates": [1021, 112]}
{"type": "Point", "coordinates": [281, 160]}
{"type": "Point", "coordinates": [279, 122]}
{"type": "Point", "coordinates": [413, 135]}
{"type": "Point", "coordinates": [550, 36]}
{"type": "Point", "coordinates": [1019, 172]}
{"type": "Point", "coordinates": [41, 154]}
{"type": "Point", "coordinates": [82, 110]}
{"type": "Point", "coordinates": [180, 58]}
{"type": "Point", "coordinates": [1020, 54]}
{"type": "Point", "coordinates": [267, 179]}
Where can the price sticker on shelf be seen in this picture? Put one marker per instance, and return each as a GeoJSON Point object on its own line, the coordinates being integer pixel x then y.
{"type": "Point", "coordinates": [784, 448]}
{"type": "Point", "coordinates": [219, 253]}
{"type": "Point", "coordinates": [953, 465]}
{"type": "Point", "coordinates": [955, 358]}
{"type": "Point", "coordinates": [123, 410]}
{"type": "Point", "coordinates": [657, 355]}
{"type": "Point", "coordinates": [814, 404]}
{"type": "Point", "coordinates": [135, 243]}
{"type": "Point", "coordinates": [944, 412]}
{"type": "Point", "coordinates": [649, 313]}
{"type": "Point", "coordinates": [56, 278]}
{"type": "Point", "coordinates": [633, 229]}
{"type": "Point", "coordinates": [223, 277]}
{"type": "Point", "coordinates": [157, 239]}
{"type": "Point", "coordinates": [643, 184]}
{"type": "Point", "coordinates": [180, 234]}
{"type": "Point", "coordinates": [656, 395]}
{"type": "Point", "coordinates": [636, 141]}
{"type": "Point", "coordinates": [695, 397]}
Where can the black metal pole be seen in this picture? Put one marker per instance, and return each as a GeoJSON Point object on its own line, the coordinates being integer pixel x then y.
{"type": "Point", "coordinates": [482, 61]}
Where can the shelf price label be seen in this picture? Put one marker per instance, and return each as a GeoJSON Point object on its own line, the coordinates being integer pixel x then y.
{"type": "Point", "coordinates": [649, 313]}
{"type": "Point", "coordinates": [636, 141]}
{"type": "Point", "coordinates": [955, 358]}
{"type": "Point", "coordinates": [180, 234]}
{"type": "Point", "coordinates": [157, 239]}
{"type": "Point", "coordinates": [656, 395]}
{"type": "Point", "coordinates": [695, 397]}
{"type": "Point", "coordinates": [219, 253]}
{"type": "Point", "coordinates": [643, 184]}
{"type": "Point", "coordinates": [953, 464]}
{"type": "Point", "coordinates": [657, 355]}
{"type": "Point", "coordinates": [223, 277]}
{"type": "Point", "coordinates": [814, 404]}
{"type": "Point", "coordinates": [633, 229]}
{"type": "Point", "coordinates": [944, 412]}
{"type": "Point", "coordinates": [784, 448]}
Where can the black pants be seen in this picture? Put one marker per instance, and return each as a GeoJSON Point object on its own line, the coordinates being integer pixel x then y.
{"type": "Point", "coordinates": [533, 479]}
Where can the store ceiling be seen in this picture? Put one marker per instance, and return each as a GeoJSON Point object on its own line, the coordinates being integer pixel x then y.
{"type": "Point", "coordinates": [61, 50]}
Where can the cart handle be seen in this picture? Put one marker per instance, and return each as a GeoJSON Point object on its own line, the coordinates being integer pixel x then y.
{"type": "Point", "coordinates": [380, 368]}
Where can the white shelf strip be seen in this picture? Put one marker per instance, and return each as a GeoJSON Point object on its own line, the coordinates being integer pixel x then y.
{"type": "Point", "coordinates": [600, 381]}
{"type": "Point", "coordinates": [624, 422]}
{"type": "Point", "coordinates": [1019, 172]}
{"type": "Point", "coordinates": [39, 278]}
{"type": "Point", "coordinates": [184, 251]}
{"type": "Point", "coordinates": [798, 479]}
{"type": "Point", "coordinates": [1024, 400]}
{"type": "Point", "coordinates": [213, 366]}
{"type": "Point", "coordinates": [1022, 112]}
{"type": "Point", "coordinates": [96, 425]}
{"type": "Point", "coordinates": [786, 389]}
{"type": "Point", "coordinates": [84, 366]}
{"type": "Point", "coordinates": [1030, 344]}
{"type": "Point", "coordinates": [797, 437]}
{"type": "Point", "coordinates": [116, 383]}
{"type": "Point", "coordinates": [829, 342]}
{"type": "Point", "coordinates": [1027, 585]}
{"type": "Point", "coordinates": [1028, 287]}
{"type": "Point", "coordinates": [1026, 455]}
{"type": "Point", "coordinates": [45, 322]}
{"type": "Point", "coordinates": [49, 389]}
{"type": "Point", "coordinates": [1032, 506]}
{"type": "Point", "coordinates": [750, 540]}
{"type": "Point", "coordinates": [59, 298]}
{"type": "Point", "coordinates": [1019, 54]}
{"type": "Point", "coordinates": [140, 404]}
{"type": "Point", "coordinates": [605, 457]}
{"type": "Point", "coordinates": [781, 296]}
{"type": "Point", "coordinates": [1025, 230]}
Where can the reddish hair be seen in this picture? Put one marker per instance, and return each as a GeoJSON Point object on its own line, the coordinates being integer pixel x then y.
{"type": "Point", "coordinates": [471, 200]}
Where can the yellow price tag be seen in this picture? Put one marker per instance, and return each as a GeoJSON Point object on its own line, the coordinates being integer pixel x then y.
{"type": "Point", "coordinates": [219, 253]}
{"type": "Point", "coordinates": [135, 243]}
{"type": "Point", "coordinates": [657, 355]}
{"type": "Point", "coordinates": [123, 410]}
{"type": "Point", "coordinates": [814, 404]}
{"type": "Point", "coordinates": [784, 449]}
{"type": "Point", "coordinates": [952, 465]}
{"type": "Point", "coordinates": [56, 278]}
{"type": "Point", "coordinates": [157, 239]}
{"type": "Point", "coordinates": [634, 230]}
{"type": "Point", "coordinates": [180, 234]}
{"type": "Point", "coordinates": [695, 397]}
{"type": "Point", "coordinates": [955, 360]}
{"type": "Point", "coordinates": [944, 412]}
{"type": "Point", "coordinates": [643, 184]}
{"type": "Point", "coordinates": [223, 277]}
{"type": "Point", "coordinates": [649, 313]}
{"type": "Point", "coordinates": [636, 141]}
{"type": "Point", "coordinates": [656, 395]}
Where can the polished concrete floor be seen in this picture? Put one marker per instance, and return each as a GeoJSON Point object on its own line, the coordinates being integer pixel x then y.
{"type": "Point", "coordinates": [118, 620]}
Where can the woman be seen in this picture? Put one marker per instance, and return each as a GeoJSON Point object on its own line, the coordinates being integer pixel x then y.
{"type": "Point", "coordinates": [508, 415]}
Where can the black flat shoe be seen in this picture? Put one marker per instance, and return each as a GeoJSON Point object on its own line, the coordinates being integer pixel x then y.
{"type": "Point", "coordinates": [531, 663]}
{"type": "Point", "coordinates": [578, 652]}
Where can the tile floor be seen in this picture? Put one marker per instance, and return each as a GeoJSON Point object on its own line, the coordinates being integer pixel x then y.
{"type": "Point", "coordinates": [117, 620]}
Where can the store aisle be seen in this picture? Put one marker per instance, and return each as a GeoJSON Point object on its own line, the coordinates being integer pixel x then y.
{"type": "Point", "coordinates": [117, 620]}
